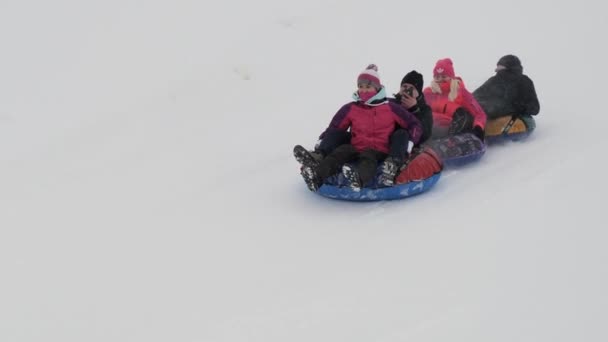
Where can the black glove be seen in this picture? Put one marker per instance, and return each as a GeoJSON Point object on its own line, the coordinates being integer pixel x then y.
{"type": "Point", "coordinates": [479, 132]}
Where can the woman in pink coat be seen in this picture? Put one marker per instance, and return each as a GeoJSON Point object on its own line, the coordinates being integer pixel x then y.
{"type": "Point", "coordinates": [371, 120]}
{"type": "Point", "coordinates": [455, 110]}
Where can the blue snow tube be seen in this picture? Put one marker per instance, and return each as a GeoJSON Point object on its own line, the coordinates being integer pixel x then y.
{"type": "Point", "coordinates": [422, 171]}
{"type": "Point", "coordinates": [367, 194]}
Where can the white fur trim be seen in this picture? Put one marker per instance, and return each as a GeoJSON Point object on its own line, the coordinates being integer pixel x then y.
{"type": "Point", "coordinates": [454, 85]}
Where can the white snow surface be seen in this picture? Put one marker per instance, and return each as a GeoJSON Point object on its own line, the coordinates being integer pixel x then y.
{"type": "Point", "coordinates": [148, 191]}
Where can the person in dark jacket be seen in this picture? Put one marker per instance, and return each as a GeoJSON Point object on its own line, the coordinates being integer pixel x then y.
{"type": "Point", "coordinates": [508, 93]}
{"type": "Point", "coordinates": [371, 120]}
{"type": "Point", "coordinates": [410, 96]}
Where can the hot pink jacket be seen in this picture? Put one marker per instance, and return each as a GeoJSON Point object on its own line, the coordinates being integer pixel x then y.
{"type": "Point", "coordinates": [371, 126]}
{"type": "Point", "coordinates": [443, 109]}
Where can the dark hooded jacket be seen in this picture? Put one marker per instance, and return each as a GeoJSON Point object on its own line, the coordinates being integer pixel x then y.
{"type": "Point", "coordinates": [509, 92]}
{"type": "Point", "coordinates": [421, 109]}
{"type": "Point", "coordinates": [422, 112]}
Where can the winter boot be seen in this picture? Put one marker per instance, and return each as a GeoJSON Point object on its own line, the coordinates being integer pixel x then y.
{"type": "Point", "coordinates": [311, 178]}
{"type": "Point", "coordinates": [307, 158]}
{"type": "Point", "coordinates": [352, 177]}
{"type": "Point", "coordinates": [462, 122]}
{"type": "Point", "coordinates": [389, 167]}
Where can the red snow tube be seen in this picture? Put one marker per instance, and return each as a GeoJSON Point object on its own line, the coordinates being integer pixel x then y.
{"type": "Point", "coordinates": [423, 165]}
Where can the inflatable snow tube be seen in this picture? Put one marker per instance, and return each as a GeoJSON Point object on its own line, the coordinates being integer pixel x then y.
{"type": "Point", "coordinates": [394, 192]}
{"type": "Point", "coordinates": [459, 149]}
{"type": "Point", "coordinates": [507, 128]}
{"type": "Point", "coordinates": [421, 173]}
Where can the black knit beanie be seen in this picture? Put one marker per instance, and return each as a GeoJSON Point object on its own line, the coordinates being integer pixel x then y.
{"type": "Point", "coordinates": [414, 78]}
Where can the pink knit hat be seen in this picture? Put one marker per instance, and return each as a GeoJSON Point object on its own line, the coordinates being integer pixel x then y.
{"type": "Point", "coordinates": [444, 67]}
{"type": "Point", "coordinates": [370, 75]}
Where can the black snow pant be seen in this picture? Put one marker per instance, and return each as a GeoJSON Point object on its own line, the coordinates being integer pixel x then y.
{"type": "Point", "coordinates": [332, 140]}
{"type": "Point", "coordinates": [366, 162]}
{"type": "Point", "coordinates": [399, 140]}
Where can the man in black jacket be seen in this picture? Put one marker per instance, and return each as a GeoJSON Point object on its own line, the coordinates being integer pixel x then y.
{"type": "Point", "coordinates": [509, 92]}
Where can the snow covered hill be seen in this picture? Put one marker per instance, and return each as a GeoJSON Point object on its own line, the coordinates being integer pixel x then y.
{"type": "Point", "coordinates": [148, 192]}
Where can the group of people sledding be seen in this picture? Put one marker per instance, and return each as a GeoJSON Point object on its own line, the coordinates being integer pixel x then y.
{"type": "Point", "coordinates": [374, 128]}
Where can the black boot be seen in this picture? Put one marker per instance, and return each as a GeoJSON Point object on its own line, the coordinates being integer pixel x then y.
{"type": "Point", "coordinates": [462, 122]}
{"type": "Point", "coordinates": [352, 176]}
{"type": "Point", "coordinates": [390, 166]}
{"type": "Point", "coordinates": [311, 178]}
{"type": "Point", "coordinates": [307, 158]}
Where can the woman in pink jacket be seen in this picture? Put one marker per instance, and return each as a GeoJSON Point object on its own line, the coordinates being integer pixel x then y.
{"type": "Point", "coordinates": [455, 110]}
{"type": "Point", "coordinates": [371, 120]}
